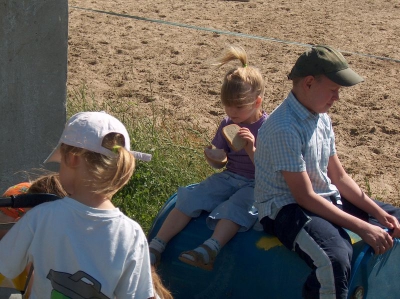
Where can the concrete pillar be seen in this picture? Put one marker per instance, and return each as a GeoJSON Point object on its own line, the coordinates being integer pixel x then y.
{"type": "Point", "coordinates": [33, 76]}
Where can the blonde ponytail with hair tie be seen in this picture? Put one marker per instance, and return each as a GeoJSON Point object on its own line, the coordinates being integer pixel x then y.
{"type": "Point", "coordinates": [116, 148]}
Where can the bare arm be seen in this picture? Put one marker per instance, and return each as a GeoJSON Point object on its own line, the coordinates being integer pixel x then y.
{"type": "Point", "coordinates": [349, 189]}
{"type": "Point", "coordinates": [300, 186]}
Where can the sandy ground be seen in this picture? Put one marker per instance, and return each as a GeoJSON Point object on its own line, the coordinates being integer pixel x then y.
{"type": "Point", "coordinates": [160, 52]}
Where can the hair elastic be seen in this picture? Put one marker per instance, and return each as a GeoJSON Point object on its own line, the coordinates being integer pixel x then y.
{"type": "Point", "coordinates": [116, 148]}
{"type": "Point", "coordinates": [245, 65]}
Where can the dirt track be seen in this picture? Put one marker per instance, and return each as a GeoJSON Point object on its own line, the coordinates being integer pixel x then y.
{"type": "Point", "coordinates": [123, 58]}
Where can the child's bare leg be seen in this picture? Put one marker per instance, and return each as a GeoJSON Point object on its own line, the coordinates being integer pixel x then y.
{"type": "Point", "coordinates": [224, 231]}
{"type": "Point", "coordinates": [204, 255]}
{"type": "Point", "coordinates": [173, 224]}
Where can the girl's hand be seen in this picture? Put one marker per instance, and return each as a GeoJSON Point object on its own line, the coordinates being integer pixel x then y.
{"type": "Point", "coordinates": [216, 158]}
{"type": "Point", "coordinates": [250, 141]}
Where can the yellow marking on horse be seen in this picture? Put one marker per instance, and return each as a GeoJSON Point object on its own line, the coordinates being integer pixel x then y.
{"type": "Point", "coordinates": [267, 243]}
{"type": "Point", "coordinates": [353, 237]}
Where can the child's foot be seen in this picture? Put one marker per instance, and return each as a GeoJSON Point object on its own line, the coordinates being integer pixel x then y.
{"type": "Point", "coordinates": [156, 247]}
{"type": "Point", "coordinates": [155, 257]}
{"type": "Point", "coordinates": [202, 257]}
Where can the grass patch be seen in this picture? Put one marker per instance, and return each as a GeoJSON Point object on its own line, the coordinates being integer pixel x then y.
{"type": "Point", "coordinates": [177, 154]}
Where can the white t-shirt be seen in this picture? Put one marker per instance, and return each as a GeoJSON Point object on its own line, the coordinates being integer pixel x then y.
{"type": "Point", "coordinates": [78, 249]}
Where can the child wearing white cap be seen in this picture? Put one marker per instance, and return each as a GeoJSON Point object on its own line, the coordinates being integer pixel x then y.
{"type": "Point", "coordinates": [81, 245]}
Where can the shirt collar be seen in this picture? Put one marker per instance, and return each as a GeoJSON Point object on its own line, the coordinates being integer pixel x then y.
{"type": "Point", "coordinates": [301, 111]}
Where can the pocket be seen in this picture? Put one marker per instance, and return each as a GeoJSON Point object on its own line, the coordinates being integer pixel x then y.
{"type": "Point", "coordinates": [288, 223]}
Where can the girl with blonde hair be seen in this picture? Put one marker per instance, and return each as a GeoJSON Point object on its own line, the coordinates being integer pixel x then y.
{"type": "Point", "coordinates": [82, 245]}
{"type": "Point", "coordinates": [227, 195]}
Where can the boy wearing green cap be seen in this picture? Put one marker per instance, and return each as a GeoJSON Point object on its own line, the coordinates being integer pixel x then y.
{"type": "Point", "coordinates": [303, 194]}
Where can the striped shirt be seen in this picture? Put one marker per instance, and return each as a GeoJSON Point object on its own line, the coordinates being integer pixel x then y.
{"type": "Point", "coordinates": [292, 139]}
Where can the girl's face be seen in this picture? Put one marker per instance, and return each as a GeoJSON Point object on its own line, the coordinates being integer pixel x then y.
{"type": "Point", "coordinates": [245, 114]}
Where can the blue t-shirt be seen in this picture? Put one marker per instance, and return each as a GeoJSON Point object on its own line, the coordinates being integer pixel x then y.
{"type": "Point", "coordinates": [238, 162]}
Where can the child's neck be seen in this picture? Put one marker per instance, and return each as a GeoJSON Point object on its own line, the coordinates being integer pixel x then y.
{"type": "Point", "coordinates": [97, 201]}
{"type": "Point", "coordinates": [84, 192]}
{"type": "Point", "coordinates": [254, 118]}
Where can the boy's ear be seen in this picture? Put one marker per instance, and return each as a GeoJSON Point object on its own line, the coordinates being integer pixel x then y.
{"type": "Point", "coordinates": [307, 82]}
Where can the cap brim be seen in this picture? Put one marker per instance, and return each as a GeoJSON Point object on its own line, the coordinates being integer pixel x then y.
{"type": "Point", "coordinates": [346, 77]}
{"type": "Point", "coordinates": [55, 156]}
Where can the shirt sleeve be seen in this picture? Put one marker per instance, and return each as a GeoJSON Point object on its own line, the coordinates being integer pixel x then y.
{"type": "Point", "coordinates": [14, 247]}
{"type": "Point", "coordinates": [136, 281]}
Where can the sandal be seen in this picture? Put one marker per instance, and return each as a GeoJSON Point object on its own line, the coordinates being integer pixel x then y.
{"type": "Point", "coordinates": [198, 258]}
{"type": "Point", "coordinates": [157, 255]}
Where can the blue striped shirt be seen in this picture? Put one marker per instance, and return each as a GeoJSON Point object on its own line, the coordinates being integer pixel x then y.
{"type": "Point", "coordinates": [292, 139]}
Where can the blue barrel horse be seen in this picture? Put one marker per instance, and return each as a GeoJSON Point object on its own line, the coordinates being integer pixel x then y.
{"type": "Point", "coordinates": [256, 265]}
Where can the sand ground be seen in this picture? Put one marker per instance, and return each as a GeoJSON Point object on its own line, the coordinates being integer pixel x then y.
{"type": "Point", "coordinates": [160, 53]}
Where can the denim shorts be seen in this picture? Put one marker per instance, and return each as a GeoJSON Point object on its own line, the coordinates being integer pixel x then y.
{"type": "Point", "coordinates": [225, 195]}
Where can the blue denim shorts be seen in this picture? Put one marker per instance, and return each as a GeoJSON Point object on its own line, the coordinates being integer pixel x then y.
{"type": "Point", "coordinates": [225, 195]}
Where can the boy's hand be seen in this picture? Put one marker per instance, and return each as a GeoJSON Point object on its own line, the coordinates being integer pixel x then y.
{"type": "Point", "coordinates": [392, 224]}
{"type": "Point", "coordinates": [377, 238]}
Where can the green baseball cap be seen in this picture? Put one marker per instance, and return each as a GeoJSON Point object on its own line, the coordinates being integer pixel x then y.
{"type": "Point", "coordinates": [323, 60]}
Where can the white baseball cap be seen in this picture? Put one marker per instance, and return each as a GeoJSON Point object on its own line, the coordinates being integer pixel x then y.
{"type": "Point", "coordinates": [87, 129]}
